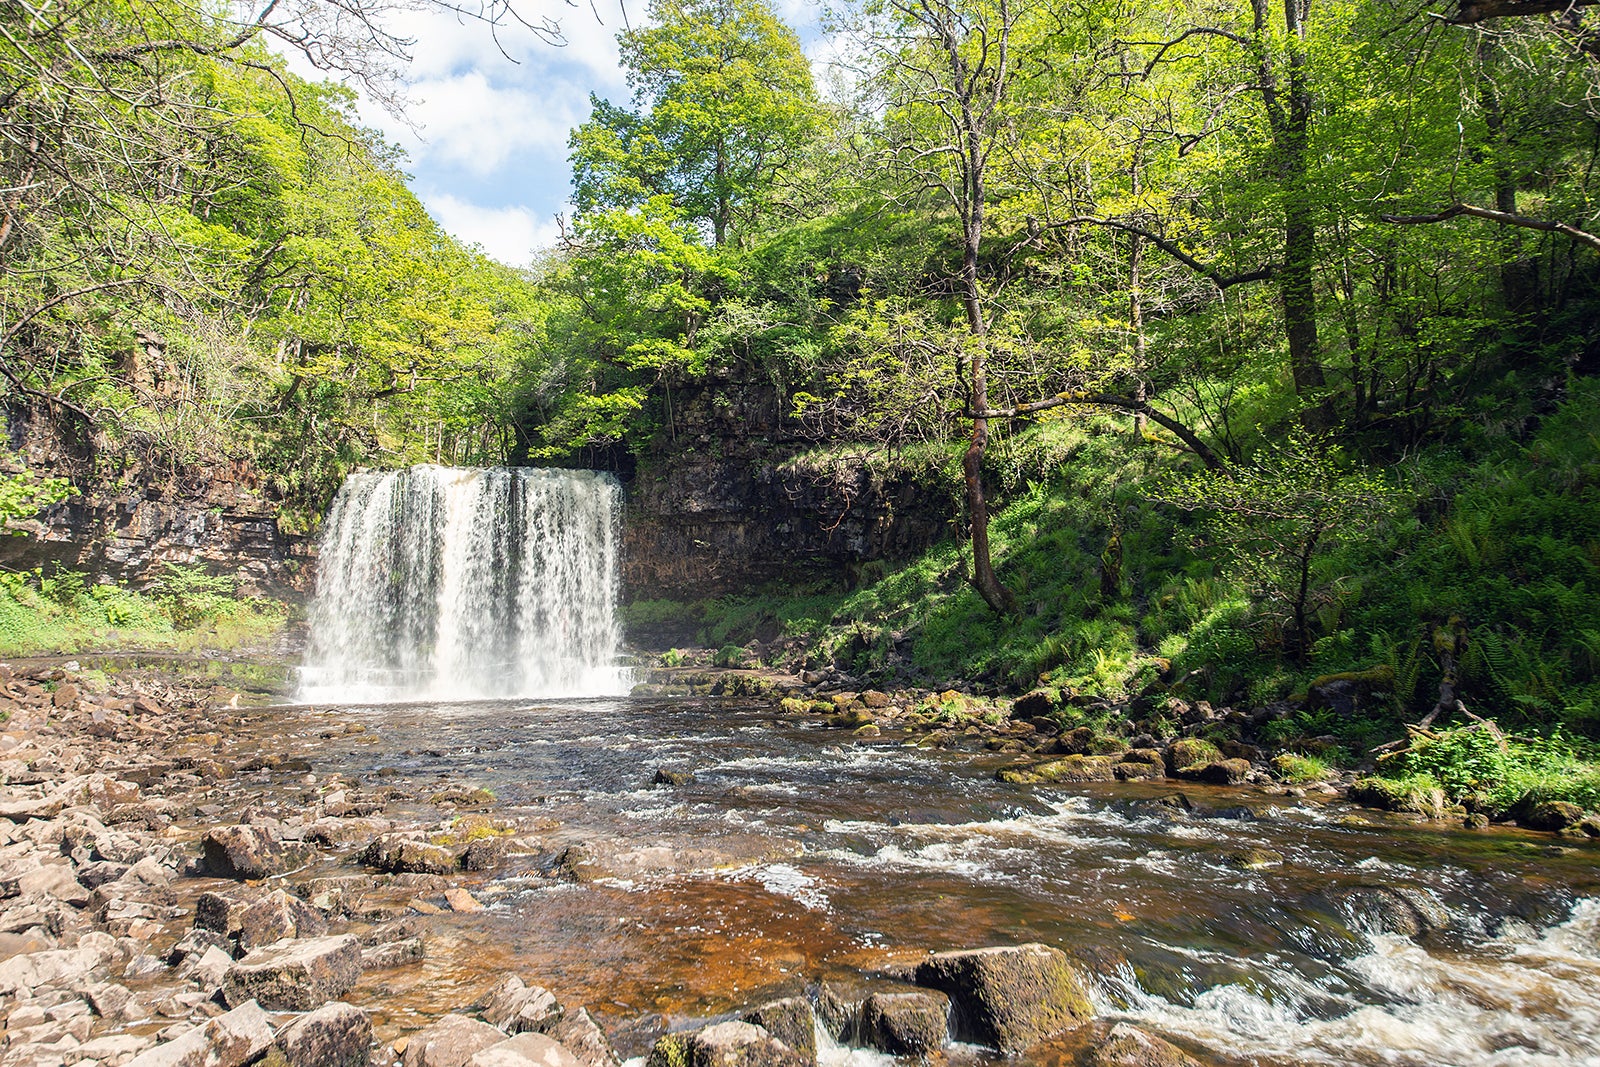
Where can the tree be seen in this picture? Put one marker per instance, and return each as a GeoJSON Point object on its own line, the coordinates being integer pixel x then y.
{"type": "Point", "coordinates": [1278, 518]}
{"type": "Point", "coordinates": [945, 69]}
{"type": "Point", "coordinates": [722, 100]}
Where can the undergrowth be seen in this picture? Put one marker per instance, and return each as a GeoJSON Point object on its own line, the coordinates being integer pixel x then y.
{"type": "Point", "coordinates": [185, 610]}
{"type": "Point", "coordinates": [1121, 594]}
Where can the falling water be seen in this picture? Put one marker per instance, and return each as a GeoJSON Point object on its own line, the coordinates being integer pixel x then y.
{"type": "Point", "coordinates": [454, 583]}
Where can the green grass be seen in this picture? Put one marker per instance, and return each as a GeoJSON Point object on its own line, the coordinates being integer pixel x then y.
{"type": "Point", "coordinates": [1122, 596]}
{"type": "Point", "coordinates": [185, 611]}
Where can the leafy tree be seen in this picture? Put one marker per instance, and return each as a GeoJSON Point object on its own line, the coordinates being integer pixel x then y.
{"type": "Point", "coordinates": [723, 102]}
{"type": "Point", "coordinates": [1278, 519]}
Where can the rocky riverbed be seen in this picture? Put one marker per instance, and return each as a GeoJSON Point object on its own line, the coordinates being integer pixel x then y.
{"type": "Point", "coordinates": [167, 901]}
{"type": "Point", "coordinates": [187, 881]}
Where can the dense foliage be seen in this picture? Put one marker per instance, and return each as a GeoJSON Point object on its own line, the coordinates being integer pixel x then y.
{"type": "Point", "coordinates": [1267, 328]}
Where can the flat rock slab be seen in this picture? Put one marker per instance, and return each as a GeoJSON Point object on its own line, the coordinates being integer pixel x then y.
{"type": "Point", "coordinates": [295, 975]}
{"type": "Point", "coordinates": [230, 1040]}
{"type": "Point", "coordinates": [526, 1050]}
{"type": "Point", "coordinates": [335, 1035]}
{"type": "Point", "coordinates": [450, 1042]}
{"type": "Point", "coordinates": [730, 1044]}
{"type": "Point", "coordinates": [1010, 998]}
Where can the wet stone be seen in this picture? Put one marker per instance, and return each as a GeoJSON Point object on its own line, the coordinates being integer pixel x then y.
{"type": "Point", "coordinates": [729, 1044]}
{"type": "Point", "coordinates": [516, 1007]}
{"type": "Point", "coordinates": [392, 954]}
{"type": "Point", "coordinates": [1007, 997]}
{"type": "Point", "coordinates": [582, 1036]}
{"type": "Point", "coordinates": [906, 1024]}
{"type": "Point", "coordinates": [1128, 1046]}
{"type": "Point", "coordinates": [791, 1020]}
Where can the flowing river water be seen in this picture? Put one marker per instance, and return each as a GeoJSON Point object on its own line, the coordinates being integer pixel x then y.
{"type": "Point", "coordinates": [797, 853]}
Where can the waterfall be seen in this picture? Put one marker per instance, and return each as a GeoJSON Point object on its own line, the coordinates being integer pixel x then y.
{"type": "Point", "coordinates": [455, 583]}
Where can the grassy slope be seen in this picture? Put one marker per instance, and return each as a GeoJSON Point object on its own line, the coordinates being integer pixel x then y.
{"type": "Point", "coordinates": [1502, 545]}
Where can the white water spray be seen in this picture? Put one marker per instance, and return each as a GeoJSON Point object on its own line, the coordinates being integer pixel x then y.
{"type": "Point", "coordinates": [463, 584]}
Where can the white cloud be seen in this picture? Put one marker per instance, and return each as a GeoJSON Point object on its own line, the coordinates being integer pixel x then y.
{"type": "Point", "coordinates": [467, 122]}
{"type": "Point", "coordinates": [509, 234]}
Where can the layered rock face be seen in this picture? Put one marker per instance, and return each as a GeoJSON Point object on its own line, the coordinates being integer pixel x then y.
{"type": "Point", "coordinates": [732, 498]}
{"type": "Point", "coordinates": [127, 521]}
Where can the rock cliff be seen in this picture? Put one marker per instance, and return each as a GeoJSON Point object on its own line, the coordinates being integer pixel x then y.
{"type": "Point", "coordinates": [126, 519]}
{"type": "Point", "coordinates": [731, 497]}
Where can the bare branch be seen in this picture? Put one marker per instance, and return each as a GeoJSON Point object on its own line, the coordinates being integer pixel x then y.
{"type": "Point", "coordinates": [1504, 218]}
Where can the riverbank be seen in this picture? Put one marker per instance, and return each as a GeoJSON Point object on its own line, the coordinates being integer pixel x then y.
{"type": "Point", "coordinates": [160, 833]}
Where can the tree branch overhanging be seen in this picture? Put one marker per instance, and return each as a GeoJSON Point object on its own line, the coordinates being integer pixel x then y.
{"type": "Point", "coordinates": [1504, 218]}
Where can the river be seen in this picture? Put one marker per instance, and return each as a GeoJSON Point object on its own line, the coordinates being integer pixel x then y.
{"type": "Point", "coordinates": [1251, 928]}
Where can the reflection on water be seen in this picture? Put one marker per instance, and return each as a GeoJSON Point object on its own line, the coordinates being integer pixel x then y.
{"type": "Point", "coordinates": [794, 855]}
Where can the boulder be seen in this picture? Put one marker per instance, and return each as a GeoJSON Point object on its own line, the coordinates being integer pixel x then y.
{"type": "Point", "coordinates": [52, 880]}
{"type": "Point", "coordinates": [484, 854]}
{"type": "Point", "coordinates": [404, 855]}
{"type": "Point", "coordinates": [280, 915]}
{"type": "Point", "coordinates": [1007, 997]}
{"type": "Point", "coordinates": [582, 1036]}
{"type": "Point", "coordinates": [335, 1035]}
{"type": "Point", "coordinates": [906, 1024]}
{"type": "Point", "coordinates": [1218, 772]}
{"type": "Point", "coordinates": [246, 853]}
{"type": "Point", "coordinates": [450, 1042]}
{"type": "Point", "coordinates": [791, 1020]}
{"type": "Point", "coordinates": [518, 1008]}
{"type": "Point", "coordinates": [64, 966]}
{"type": "Point", "coordinates": [1037, 704]}
{"type": "Point", "coordinates": [1190, 752]}
{"type": "Point", "coordinates": [223, 912]}
{"type": "Point", "coordinates": [729, 1044]}
{"type": "Point", "coordinates": [1129, 1046]}
{"type": "Point", "coordinates": [1135, 771]}
{"type": "Point", "coordinates": [230, 1040]}
{"type": "Point", "coordinates": [1551, 815]}
{"type": "Point", "coordinates": [295, 975]}
{"type": "Point", "coordinates": [1384, 909]}
{"type": "Point", "coordinates": [526, 1050]}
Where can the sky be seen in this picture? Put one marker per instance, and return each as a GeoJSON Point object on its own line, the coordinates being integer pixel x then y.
{"type": "Point", "coordinates": [487, 135]}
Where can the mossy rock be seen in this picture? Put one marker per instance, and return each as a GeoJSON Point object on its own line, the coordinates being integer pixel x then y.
{"type": "Point", "coordinates": [1078, 769]}
{"type": "Point", "coordinates": [1418, 795]}
{"type": "Point", "coordinates": [851, 718]}
{"type": "Point", "coordinates": [1136, 772]}
{"type": "Point", "coordinates": [1191, 752]}
{"type": "Point", "coordinates": [794, 706]}
{"type": "Point", "coordinates": [1102, 745]}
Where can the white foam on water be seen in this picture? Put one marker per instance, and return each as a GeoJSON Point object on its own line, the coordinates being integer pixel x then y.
{"type": "Point", "coordinates": [1521, 999]}
{"type": "Point", "coordinates": [784, 880]}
